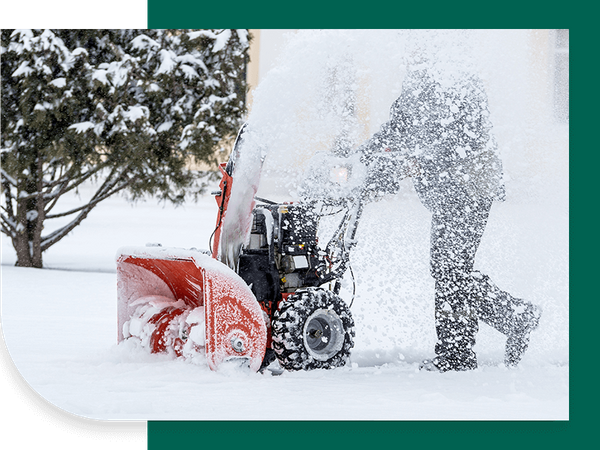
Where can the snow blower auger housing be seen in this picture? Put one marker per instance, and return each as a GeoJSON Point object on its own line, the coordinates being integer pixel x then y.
{"type": "Point", "coordinates": [258, 296]}
{"type": "Point", "coordinates": [186, 303]}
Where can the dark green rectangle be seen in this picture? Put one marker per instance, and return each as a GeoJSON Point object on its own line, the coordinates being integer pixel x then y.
{"type": "Point", "coordinates": [337, 14]}
{"type": "Point", "coordinates": [368, 435]}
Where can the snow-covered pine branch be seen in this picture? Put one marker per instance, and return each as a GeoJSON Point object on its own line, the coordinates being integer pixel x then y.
{"type": "Point", "coordinates": [5, 177]}
{"type": "Point", "coordinates": [9, 224]}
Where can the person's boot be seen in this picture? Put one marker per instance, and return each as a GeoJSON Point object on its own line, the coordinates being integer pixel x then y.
{"type": "Point", "coordinates": [517, 341]}
{"type": "Point", "coordinates": [446, 363]}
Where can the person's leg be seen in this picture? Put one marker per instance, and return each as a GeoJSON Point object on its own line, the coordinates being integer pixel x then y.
{"type": "Point", "coordinates": [511, 316]}
{"type": "Point", "coordinates": [464, 296]}
{"type": "Point", "coordinates": [456, 326]}
{"type": "Point", "coordinates": [457, 228]}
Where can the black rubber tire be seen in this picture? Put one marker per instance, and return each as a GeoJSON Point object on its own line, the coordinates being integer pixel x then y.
{"type": "Point", "coordinates": [326, 344]}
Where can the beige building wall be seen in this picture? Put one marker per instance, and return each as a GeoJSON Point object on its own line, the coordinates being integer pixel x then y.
{"type": "Point", "coordinates": [252, 72]}
{"type": "Point", "coordinates": [265, 48]}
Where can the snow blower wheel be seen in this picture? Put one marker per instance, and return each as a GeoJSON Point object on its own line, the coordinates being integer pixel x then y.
{"type": "Point", "coordinates": [312, 329]}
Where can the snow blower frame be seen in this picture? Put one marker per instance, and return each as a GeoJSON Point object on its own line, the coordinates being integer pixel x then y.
{"type": "Point", "coordinates": [280, 300]}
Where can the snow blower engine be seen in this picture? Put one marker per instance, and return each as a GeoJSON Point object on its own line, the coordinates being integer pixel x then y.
{"type": "Point", "coordinates": [266, 291]}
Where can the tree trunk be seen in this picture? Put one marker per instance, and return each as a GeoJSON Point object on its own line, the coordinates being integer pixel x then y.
{"type": "Point", "coordinates": [24, 256]}
{"type": "Point", "coordinates": [30, 218]}
{"type": "Point", "coordinates": [27, 242]}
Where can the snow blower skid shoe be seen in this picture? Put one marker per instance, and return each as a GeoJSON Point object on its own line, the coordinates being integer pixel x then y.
{"type": "Point", "coordinates": [186, 303]}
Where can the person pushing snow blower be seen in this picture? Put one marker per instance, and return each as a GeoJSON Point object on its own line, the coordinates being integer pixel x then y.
{"type": "Point", "coordinates": [439, 133]}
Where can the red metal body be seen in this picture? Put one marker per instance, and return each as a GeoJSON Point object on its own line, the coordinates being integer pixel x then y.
{"type": "Point", "coordinates": [234, 323]}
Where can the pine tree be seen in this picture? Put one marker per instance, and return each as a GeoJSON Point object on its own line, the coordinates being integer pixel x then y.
{"type": "Point", "coordinates": [130, 108]}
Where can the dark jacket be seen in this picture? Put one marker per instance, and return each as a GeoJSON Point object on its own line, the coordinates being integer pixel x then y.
{"type": "Point", "coordinates": [447, 131]}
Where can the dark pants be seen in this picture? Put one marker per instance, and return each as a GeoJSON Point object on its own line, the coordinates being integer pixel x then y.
{"type": "Point", "coordinates": [462, 296]}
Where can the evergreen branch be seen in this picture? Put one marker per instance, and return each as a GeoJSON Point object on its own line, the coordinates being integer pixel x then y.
{"type": "Point", "coordinates": [68, 176]}
{"type": "Point", "coordinates": [66, 187]}
{"type": "Point", "coordinates": [8, 226]}
{"type": "Point", "coordinates": [95, 200]}
{"type": "Point", "coordinates": [57, 235]}
{"type": "Point", "coordinates": [9, 201]}
{"type": "Point", "coordinates": [6, 178]}
{"type": "Point", "coordinates": [102, 193]}
{"type": "Point", "coordinates": [8, 211]}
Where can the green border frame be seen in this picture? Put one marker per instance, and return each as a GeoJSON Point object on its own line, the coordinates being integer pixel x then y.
{"type": "Point", "coordinates": [380, 14]}
{"type": "Point", "coordinates": [583, 160]}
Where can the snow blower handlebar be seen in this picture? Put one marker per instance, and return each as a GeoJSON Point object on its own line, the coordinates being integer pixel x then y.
{"type": "Point", "coordinates": [380, 176]}
{"type": "Point", "coordinates": [343, 240]}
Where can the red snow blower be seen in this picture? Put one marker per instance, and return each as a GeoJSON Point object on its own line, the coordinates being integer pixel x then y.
{"type": "Point", "coordinates": [266, 291]}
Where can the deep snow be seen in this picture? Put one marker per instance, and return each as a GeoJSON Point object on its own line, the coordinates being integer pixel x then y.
{"type": "Point", "coordinates": [60, 323]}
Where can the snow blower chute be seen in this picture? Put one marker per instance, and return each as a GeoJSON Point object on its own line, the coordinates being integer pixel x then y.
{"type": "Point", "coordinates": [266, 290]}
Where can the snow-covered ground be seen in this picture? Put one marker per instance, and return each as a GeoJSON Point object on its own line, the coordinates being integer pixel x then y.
{"type": "Point", "coordinates": [60, 326]}
{"type": "Point", "coordinates": [60, 323]}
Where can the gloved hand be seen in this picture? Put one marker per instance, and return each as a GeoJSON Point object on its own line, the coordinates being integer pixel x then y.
{"type": "Point", "coordinates": [387, 169]}
{"type": "Point", "coordinates": [411, 167]}
{"type": "Point", "coordinates": [392, 164]}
